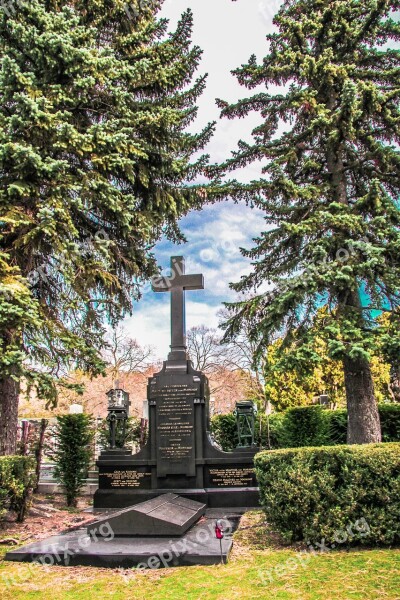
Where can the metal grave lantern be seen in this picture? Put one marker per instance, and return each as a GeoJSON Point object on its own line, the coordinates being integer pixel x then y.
{"type": "Point", "coordinates": [118, 413]}
{"type": "Point", "coordinates": [245, 413]}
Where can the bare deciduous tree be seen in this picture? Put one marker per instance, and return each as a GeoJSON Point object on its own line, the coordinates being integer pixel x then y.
{"type": "Point", "coordinates": [240, 353]}
{"type": "Point", "coordinates": [205, 349]}
{"type": "Point", "coordinates": [218, 360]}
{"type": "Point", "coordinates": [125, 354]}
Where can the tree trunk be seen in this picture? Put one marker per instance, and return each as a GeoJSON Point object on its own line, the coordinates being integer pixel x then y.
{"type": "Point", "coordinates": [9, 398]}
{"type": "Point", "coordinates": [39, 451]}
{"type": "Point", "coordinates": [363, 423]}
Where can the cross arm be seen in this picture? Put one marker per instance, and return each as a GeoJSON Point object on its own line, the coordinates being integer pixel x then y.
{"type": "Point", "coordinates": [161, 284]}
{"type": "Point", "coordinates": [193, 282]}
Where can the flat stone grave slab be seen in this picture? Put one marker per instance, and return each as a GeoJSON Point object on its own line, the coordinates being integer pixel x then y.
{"type": "Point", "coordinates": [198, 546]}
{"type": "Point", "coordinates": [166, 515]}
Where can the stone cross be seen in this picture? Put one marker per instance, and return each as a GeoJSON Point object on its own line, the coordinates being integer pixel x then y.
{"type": "Point", "coordinates": [177, 284]}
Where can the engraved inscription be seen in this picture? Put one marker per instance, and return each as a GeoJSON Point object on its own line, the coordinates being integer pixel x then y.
{"type": "Point", "coordinates": [175, 429]}
{"type": "Point", "coordinates": [125, 479]}
{"type": "Point", "coordinates": [232, 477]}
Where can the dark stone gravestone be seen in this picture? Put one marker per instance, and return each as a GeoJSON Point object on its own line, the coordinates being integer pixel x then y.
{"type": "Point", "coordinates": [180, 456]}
{"type": "Point", "coordinates": [166, 515]}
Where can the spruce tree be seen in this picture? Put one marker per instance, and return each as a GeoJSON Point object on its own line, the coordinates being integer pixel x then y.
{"type": "Point", "coordinates": [328, 145]}
{"type": "Point", "coordinates": [95, 165]}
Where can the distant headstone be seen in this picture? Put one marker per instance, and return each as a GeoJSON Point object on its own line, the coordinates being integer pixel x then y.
{"type": "Point", "coordinates": [324, 400]}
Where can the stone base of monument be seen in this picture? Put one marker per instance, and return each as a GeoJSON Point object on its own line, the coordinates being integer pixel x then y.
{"type": "Point", "coordinates": [230, 498]}
{"type": "Point", "coordinates": [166, 515]}
{"type": "Point", "coordinates": [101, 548]}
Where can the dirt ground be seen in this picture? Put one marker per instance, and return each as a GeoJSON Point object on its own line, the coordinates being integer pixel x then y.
{"type": "Point", "coordinates": [48, 515]}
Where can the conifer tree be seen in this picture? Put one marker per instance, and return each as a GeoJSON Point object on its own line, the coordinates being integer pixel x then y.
{"type": "Point", "coordinates": [95, 165]}
{"type": "Point", "coordinates": [329, 147]}
{"type": "Point", "coordinates": [74, 449]}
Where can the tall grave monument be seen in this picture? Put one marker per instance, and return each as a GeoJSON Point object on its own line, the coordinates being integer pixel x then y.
{"type": "Point", "coordinates": [180, 455]}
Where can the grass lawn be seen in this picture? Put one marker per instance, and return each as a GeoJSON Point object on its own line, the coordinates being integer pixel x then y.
{"type": "Point", "coordinates": [260, 567]}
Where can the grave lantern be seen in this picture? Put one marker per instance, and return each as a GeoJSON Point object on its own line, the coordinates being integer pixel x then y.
{"type": "Point", "coordinates": [245, 413]}
{"type": "Point", "coordinates": [118, 413]}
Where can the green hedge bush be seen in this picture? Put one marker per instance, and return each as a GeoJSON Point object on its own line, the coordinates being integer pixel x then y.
{"type": "Point", "coordinates": [321, 494]}
{"type": "Point", "coordinates": [16, 482]}
{"type": "Point", "coordinates": [303, 426]}
{"type": "Point", "coordinates": [272, 431]}
{"type": "Point", "coordinates": [390, 422]}
{"type": "Point", "coordinates": [336, 427]}
{"type": "Point", "coordinates": [223, 428]}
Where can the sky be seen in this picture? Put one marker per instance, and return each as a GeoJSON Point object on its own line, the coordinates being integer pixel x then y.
{"type": "Point", "coordinates": [228, 32]}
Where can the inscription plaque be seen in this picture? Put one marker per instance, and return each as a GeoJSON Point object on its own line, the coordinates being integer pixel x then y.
{"type": "Point", "coordinates": [125, 479]}
{"type": "Point", "coordinates": [175, 429]}
{"type": "Point", "coordinates": [231, 477]}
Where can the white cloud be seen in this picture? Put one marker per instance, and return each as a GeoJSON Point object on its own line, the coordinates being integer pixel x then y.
{"type": "Point", "coordinates": [228, 32]}
{"type": "Point", "coordinates": [214, 245]}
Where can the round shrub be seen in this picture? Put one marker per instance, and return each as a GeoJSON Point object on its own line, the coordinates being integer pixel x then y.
{"type": "Point", "coordinates": [16, 481]}
{"type": "Point", "coordinates": [311, 494]}
{"type": "Point", "coordinates": [304, 426]}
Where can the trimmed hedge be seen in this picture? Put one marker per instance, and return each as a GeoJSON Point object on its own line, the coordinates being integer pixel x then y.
{"type": "Point", "coordinates": [337, 427]}
{"type": "Point", "coordinates": [272, 424]}
{"type": "Point", "coordinates": [16, 482]}
{"type": "Point", "coordinates": [323, 494]}
{"type": "Point", "coordinates": [304, 426]}
{"type": "Point", "coordinates": [390, 422]}
{"type": "Point", "coordinates": [223, 428]}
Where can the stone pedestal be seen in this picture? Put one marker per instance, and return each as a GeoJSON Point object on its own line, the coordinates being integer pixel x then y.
{"type": "Point", "coordinates": [180, 456]}
{"type": "Point", "coordinates": [167, 515]}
